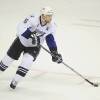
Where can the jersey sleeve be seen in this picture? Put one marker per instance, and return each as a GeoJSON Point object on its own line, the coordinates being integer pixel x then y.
{"type": "Point", "coordinates": [50, 39]}
{"type": "Point", "coordinates": [30, 23]}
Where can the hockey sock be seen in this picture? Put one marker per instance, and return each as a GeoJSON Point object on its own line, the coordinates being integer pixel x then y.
{"type": "Point", "coordinates": [23, 68]}
{"type": "Point", "coordinates": [5, 62]}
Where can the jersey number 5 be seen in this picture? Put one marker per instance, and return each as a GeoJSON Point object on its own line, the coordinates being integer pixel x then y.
{"type": "Point", "coordinates": [25, 21]}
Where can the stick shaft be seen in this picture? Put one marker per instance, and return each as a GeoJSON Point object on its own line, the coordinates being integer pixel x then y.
{"type": "Point", "coordinates": [70, 67]}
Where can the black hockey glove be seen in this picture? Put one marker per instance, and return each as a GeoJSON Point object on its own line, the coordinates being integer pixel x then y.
{"type": "Point", "coordinates": [56, 57]}
{"type": "Point", "coordinates": [35, 40]}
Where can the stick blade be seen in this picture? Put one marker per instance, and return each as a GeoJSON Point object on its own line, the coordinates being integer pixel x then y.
{"type": "Point", "coordinates": [93, 84]}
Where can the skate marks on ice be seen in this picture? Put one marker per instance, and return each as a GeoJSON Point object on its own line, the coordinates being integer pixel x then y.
{"type": "Point", "coordinates": [51, 77]}
{"type": "Point", "coordinates": [46, 85]}
{"type": "Point", "coordinates": [92, 23]}
{"type": "Point", "coordinates": [66, 79]}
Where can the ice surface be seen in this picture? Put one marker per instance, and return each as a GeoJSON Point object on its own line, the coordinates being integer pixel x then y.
{"type": "Point", "coordinates": [78, 39]}
{"type": "Point", "coordinates": [42, 85]}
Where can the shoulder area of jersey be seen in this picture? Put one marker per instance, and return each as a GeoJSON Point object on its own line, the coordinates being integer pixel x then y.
{"type": "Point", "coordinates": [34, 18]}
{"type": "Point", "coordinates": [52, 23]}
{"type": "Point", "coordinates": [33, 15]}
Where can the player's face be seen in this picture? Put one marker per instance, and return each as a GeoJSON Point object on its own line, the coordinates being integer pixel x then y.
{"type": "Point", "coordinates": [47, 18]}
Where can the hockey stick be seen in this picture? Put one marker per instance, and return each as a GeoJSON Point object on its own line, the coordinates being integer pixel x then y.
{"type": "Point", "coordinates": [93, 84]}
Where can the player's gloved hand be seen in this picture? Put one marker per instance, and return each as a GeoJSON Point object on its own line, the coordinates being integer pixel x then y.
{"type": "Point", "coordinates": [35, 40]}
{"type": "Point", "coordinates": [57, 57]}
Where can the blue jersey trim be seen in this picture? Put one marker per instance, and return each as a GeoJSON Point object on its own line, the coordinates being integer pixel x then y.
{"type": "Point", "coordinates": [27, 33]}
{"type": "Point", "coordinates": [51, 42]}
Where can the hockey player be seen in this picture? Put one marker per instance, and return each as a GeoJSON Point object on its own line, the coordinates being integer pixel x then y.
{"type": "Point", "coordinates": [31, 33]}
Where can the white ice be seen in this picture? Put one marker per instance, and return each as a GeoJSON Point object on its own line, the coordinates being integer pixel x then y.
{"type": "Point", "coordinates": [78, 39]}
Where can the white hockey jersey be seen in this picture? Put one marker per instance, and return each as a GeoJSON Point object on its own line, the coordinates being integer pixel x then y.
{"type": "Point", "coordinates": [32, 23]}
